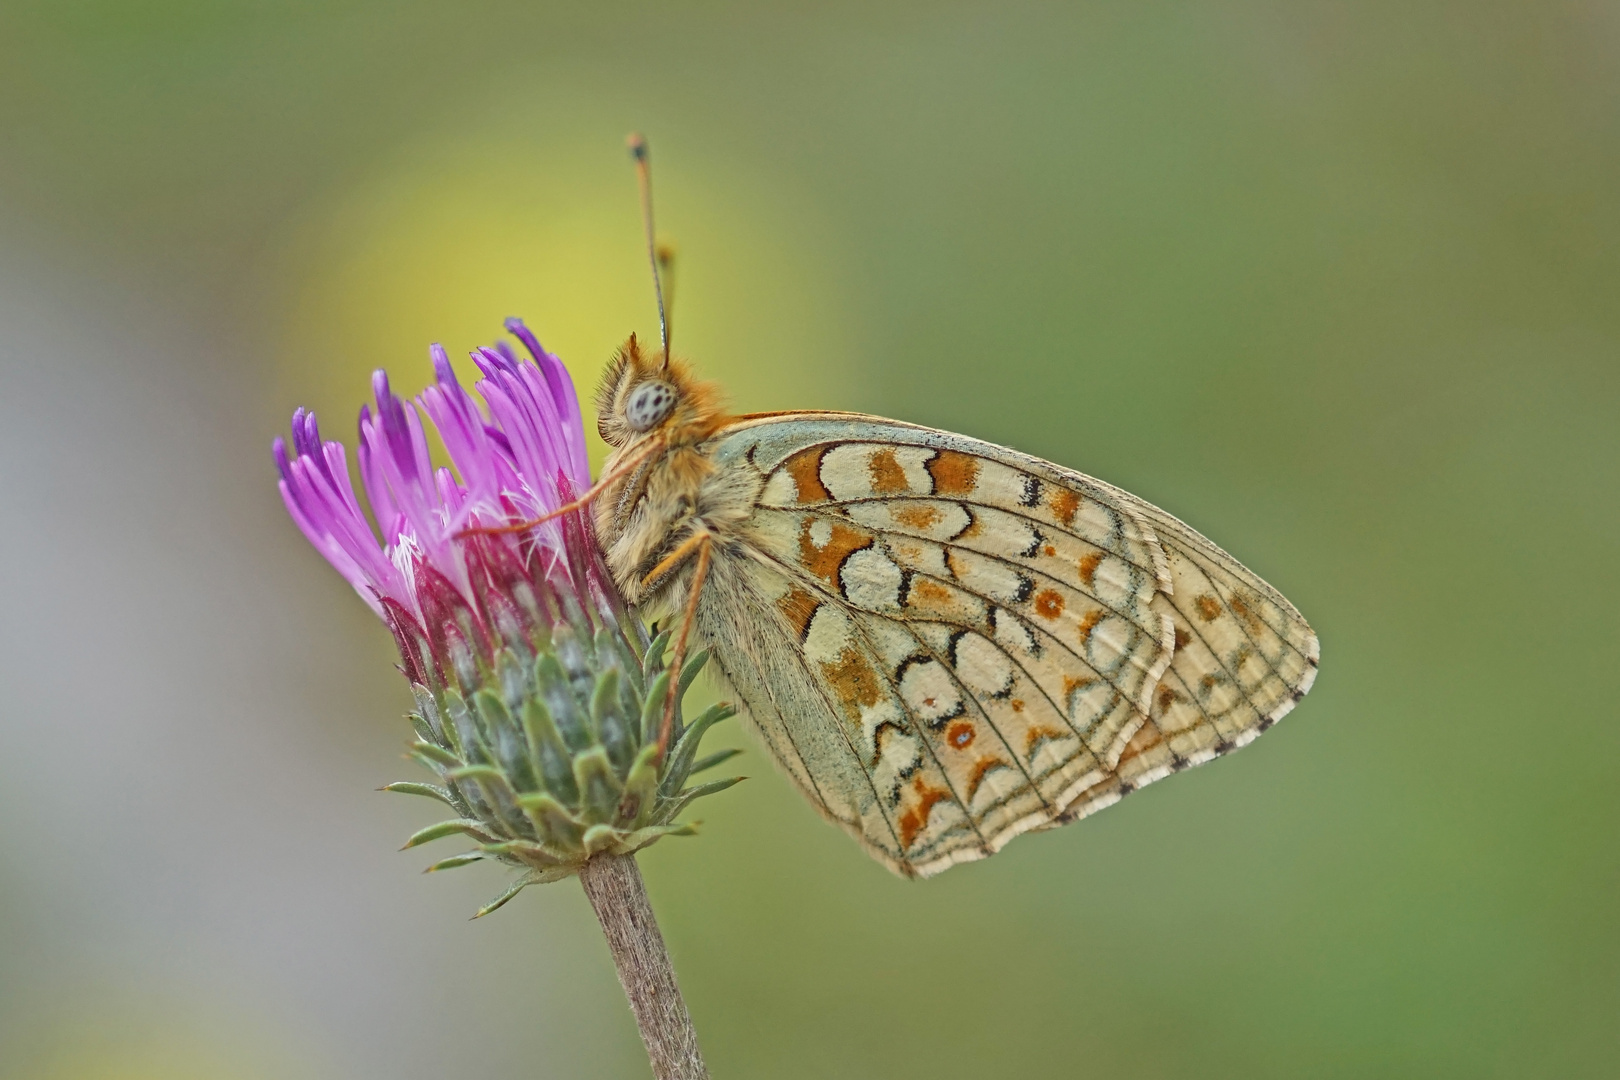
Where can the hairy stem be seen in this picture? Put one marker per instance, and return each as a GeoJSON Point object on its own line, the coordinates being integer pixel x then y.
{"type": "Point", "coordinates": [613, 884]}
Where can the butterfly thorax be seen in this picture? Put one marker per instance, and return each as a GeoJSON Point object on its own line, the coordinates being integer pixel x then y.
{"type": "Point", "coordinates": [658, 418]}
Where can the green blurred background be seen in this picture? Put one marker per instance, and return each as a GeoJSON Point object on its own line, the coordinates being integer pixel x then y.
{"type": "Point", "coordinates": [1338, 283]}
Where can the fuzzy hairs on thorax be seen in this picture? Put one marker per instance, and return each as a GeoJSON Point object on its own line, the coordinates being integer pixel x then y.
{"type": "Point", "coordinates": [655, 414]}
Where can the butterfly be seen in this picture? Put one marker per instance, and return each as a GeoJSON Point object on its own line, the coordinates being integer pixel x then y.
{"type": "Point", "coordinates": [944, 642]}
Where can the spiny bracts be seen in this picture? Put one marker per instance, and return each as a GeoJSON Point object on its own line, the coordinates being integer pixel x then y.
{"type": "Point", "coordinates": [553, 758]}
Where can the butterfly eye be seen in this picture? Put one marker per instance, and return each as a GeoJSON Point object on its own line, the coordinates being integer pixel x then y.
{"type": "Point", "coordinates": [648, 405]}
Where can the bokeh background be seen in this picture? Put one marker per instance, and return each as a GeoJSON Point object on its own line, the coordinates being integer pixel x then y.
{"type": "Point", "coordinates": [1338, 283]}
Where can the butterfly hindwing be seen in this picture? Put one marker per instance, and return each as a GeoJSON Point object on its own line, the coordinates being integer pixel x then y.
{"type": "Point", "coordinates": [947, 643]}
{"type": "Point", "coordinates": [756, 628]}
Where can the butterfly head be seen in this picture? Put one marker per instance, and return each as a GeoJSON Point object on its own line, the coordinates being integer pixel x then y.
{"type": "Point", "coordinates": [643, 396]}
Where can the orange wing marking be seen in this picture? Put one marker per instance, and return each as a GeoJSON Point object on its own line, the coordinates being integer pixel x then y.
{"type": "Point", "coordinates": [805, 469]}
{"type": "Point", "coordinates": [887, 475]}
{"type": "Point", "coordinates": [1064, 505]}
{"type": "Point", "coordinates": [981, 769]}
{"type": "Point", "coordinates": [854, 681]}
{"type": "Point", "coordinates": [919, 516]}
{"type": "Point", "coordinates": [954, 473]}
{"type": "Point", "coordinates": [799, 606]}
{"type": "Point", "coordinates": [1241, 608]}
{"type": "Point", "coordinates": [1037, 735]}
{"type": "Point", "coordinates": [1072, 683]}
{"type": "Point", "coordinates": [931, 592]}
{"type": "Point", "coordinates": [913, 820]}
{"type": "Point", "coordinates": [825, 561]}
{"type": "Point", "coordinates": [1145, 739]}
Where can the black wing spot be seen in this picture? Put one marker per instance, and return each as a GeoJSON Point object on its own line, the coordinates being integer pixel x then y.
{"type": "Point", "coordinates": [1032, 492]}
{"type": "Point", "coordinates": [903, 597]}
{"type": "Point", "coordinates": [1026, 589]}
{"type": "Point", "coordinates": [1034, 545]}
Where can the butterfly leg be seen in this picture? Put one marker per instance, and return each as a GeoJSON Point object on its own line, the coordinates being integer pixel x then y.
{"type": "Point", "coordinates": [590, 495]}
{"type": "Point", "coordinates": [703, 544]}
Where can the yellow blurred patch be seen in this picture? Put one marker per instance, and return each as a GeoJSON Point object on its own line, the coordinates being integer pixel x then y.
{"type": "Point", "coordinates": [112, 1038]}
{"type": "Point", "coordinates": [445, 242]}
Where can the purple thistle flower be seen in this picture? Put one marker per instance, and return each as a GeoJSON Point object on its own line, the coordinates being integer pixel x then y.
{"type": "Point", "coordinates": [538, 696]}
{"type": "Point", "coordinates": [434, 585]}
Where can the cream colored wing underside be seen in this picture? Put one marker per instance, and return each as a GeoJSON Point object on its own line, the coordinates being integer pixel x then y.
{"type": "Point", "coordinates": [947, 643]}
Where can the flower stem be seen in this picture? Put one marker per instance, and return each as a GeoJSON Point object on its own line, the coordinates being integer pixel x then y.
{"type": "Point", "coordinates": [613, 884]}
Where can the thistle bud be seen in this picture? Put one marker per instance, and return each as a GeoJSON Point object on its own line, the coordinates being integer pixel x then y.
{"type": "Point", "coordinates": [539, 694]}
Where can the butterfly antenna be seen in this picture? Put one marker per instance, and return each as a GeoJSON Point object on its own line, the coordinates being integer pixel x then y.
{"type": "Point", "coordinates": [666, 278]}
{"type": "Point", "coordinates": [655, 257]}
